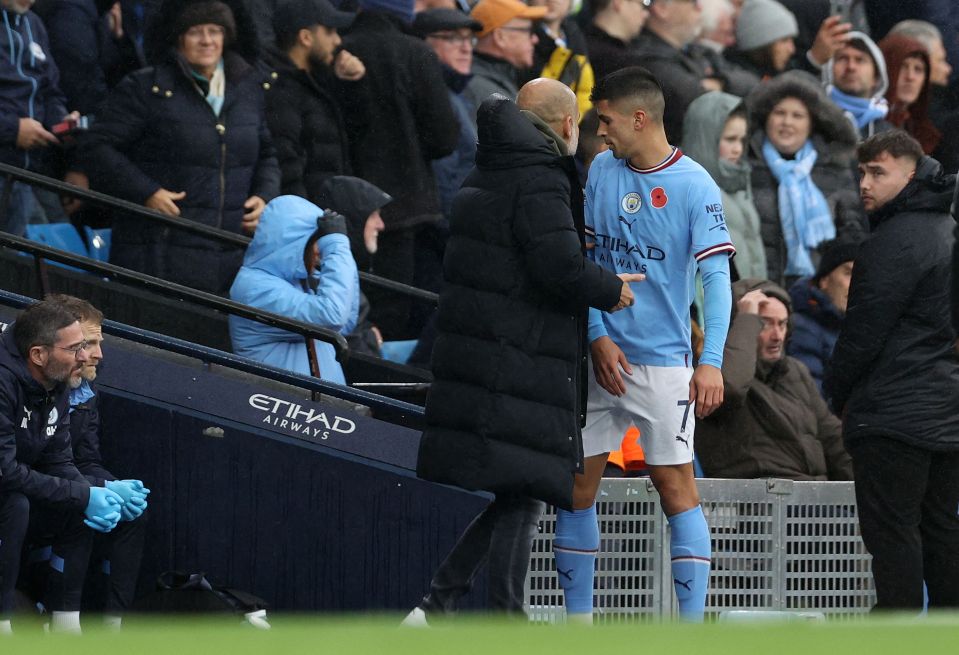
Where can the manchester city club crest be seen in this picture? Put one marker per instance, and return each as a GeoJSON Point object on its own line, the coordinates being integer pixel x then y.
{"type": "Point", "coordinates": [632, 201]}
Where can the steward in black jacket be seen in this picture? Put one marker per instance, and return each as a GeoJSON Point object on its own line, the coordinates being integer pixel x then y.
{"type": "Point", "coordinates": [894, 368]}
{"type": "Point", "coordinates": [894, 376]}
{"type": "Point", "coordinates": [508, 398]}
{"type": "Point", "coordinates": [158, 131]}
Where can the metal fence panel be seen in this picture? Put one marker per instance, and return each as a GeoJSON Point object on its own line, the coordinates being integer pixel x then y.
{"type": "Point", "coordinates": [777, 545]}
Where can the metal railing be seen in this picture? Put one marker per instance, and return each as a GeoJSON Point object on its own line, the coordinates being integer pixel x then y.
{"type": "Point", "coordinates": [178, 291]}
{"type": "Point", "coordinates": [12, 173]}
{"type": "Point", "coordinates": [777, 545]}
{"type": "Point", "coordinates": [399, 411]}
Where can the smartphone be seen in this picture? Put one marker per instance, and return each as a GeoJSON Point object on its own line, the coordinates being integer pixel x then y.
{"type": "Point", "coordinates": [840, 8]}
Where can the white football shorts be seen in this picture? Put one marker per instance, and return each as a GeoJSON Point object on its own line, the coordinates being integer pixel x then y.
{"type": "Point", "coordinates": [656, 402]}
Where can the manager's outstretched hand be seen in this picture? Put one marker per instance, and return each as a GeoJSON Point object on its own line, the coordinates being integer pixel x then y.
{"type": "Point", "coordinates": [626, 297]}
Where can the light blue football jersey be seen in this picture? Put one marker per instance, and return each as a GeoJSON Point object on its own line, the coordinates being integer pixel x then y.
{"type": "Point", "coordinates": [659, 221]}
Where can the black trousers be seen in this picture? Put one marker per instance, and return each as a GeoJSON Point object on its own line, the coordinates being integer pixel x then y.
{"type": "Point", "coordinates": [116, 558]}
{"type": "Point", "coordinates": [908, 503]}
{"type": "Point", "coordinates": [71, 540]}
{"type": "Point", "coordinates": [501, 536]}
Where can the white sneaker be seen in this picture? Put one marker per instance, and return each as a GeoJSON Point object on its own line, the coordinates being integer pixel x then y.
{"type": "Point", "coordinates": [415, 619]}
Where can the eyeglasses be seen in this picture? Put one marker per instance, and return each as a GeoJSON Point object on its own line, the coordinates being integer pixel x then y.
{"type": "Point", "coordinates": [83, 345]}
{"type": "Point", "coordinates": [529, 31]}
{"type": "Point", "coordinates": [456, 39]}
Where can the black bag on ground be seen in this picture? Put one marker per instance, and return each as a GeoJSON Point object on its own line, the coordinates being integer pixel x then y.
{"type": "Point", "coordinates": [192, 593]}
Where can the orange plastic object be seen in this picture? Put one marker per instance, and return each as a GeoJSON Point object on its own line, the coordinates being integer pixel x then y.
{"type": "Point", "coordinates": [630, 456]}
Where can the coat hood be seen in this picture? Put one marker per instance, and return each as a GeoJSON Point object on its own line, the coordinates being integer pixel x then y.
{"type": "Point", "coordinates": [161, 36]}
{"type": "Point", "coordinates": [914, 118]}
{"type": "Point", "coordinates": [356, 199]}
{"type": "Point", "coordinates": [509, 139]}
{"type": "Point", "coordinates": [870, 46]}
{"type": "Point", "coordinates": [829, 121]}
{"type": "Point", "coordinates": [931, 190]}
{"type": "Point", "coordinates": [285, 228]}
{"type": "Point", "coordinates": [703, 124]}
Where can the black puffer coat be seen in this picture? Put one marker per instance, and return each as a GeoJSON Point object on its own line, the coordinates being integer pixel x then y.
{"type": "Point", "coordinates": [894, 368]}
{"type": "Point", "coordinates": [411, 122]}
{"type": "Point", "coordinates": [506, 407]}
{"type": "Point", "coordinates": [311, 117]}
{"type": "Point", "coordinates": [156, 130]}
{"type": "Point", "coordinates": [835, 140]}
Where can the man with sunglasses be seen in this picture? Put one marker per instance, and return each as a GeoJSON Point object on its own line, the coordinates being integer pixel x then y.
{"type": "Point", "coordinates": [43, 497]}
{"type": "Point", "coordinates": [503, 49]}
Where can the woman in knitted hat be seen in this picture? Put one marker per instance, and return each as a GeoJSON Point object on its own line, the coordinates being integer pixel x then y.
{"type": "Point", "coordinates": [801, 152]}
{"type": "Point", "coordinates": [908, 65]}
{"type": "Point", "coordinates": [765, 38]}
{"type": "Point", "coordinates": [187, 137]}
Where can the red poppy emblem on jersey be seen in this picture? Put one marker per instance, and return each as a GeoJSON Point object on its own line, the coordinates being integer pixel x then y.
{"type": "Point", "coordinates": [658, 197]}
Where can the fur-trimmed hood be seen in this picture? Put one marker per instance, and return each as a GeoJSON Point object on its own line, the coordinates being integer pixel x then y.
{"type": "Point", "coordinates": [829, 121]}
{"type": "Point", "coordinates": [161, 36]}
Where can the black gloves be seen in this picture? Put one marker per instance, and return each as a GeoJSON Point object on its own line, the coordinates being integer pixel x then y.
{"type": "Point", "coordinates": [330, 223]}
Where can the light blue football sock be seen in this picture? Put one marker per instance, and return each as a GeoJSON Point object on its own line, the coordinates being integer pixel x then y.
{"type": "Point", "coordinates": [690, 552]}
{"type": "Point", "coordinates": [574, 547]}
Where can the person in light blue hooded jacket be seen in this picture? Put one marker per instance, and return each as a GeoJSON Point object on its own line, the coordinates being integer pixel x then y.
{"type": "Point", "coordinates": [298, 265]}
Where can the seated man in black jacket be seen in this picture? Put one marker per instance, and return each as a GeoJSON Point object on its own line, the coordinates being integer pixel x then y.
{"type": "Point", "coordinates": [894, 376]}
{"type": "Point", "coordinates": [43, 497]}
{"type": "Point", "coordinates": [117, 553]}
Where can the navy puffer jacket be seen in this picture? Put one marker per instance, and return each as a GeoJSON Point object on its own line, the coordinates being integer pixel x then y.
{"type": "Point", "coordinates": [156, 131]}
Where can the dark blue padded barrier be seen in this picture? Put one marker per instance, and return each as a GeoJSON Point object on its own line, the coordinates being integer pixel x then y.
{"type": "Point", "coordinates": [323, 515]}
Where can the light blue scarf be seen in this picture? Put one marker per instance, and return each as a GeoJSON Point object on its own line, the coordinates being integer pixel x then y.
{"type": "Point", "coordinates": [215, 87]}
{"type": "Point", "coordinates": [861, 111]}
{"type": "Point", "coordinates": [803, 210]}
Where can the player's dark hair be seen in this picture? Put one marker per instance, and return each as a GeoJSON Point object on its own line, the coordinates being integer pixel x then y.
{"type": "Point", "coordinates": [635, 84]}
{"type": "Point", "coordinates": [38, 325]}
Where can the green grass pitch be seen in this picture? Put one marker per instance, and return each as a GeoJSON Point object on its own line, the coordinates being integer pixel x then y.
{"type": "Point", "coordinates": [380, 635]}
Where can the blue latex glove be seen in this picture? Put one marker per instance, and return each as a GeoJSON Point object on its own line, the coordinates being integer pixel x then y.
{"type": "Point", "coordinates": [103, 509]}
{"type": "Point", "coordinates": [138, 487]}
{"type": "Point", "coordinates": [133, 508]}
{"type": "Point", "coordinates": [134, 496]}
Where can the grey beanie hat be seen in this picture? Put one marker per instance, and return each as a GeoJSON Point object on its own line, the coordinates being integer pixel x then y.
{"type": "Point", "coordinates": [762, 22]}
